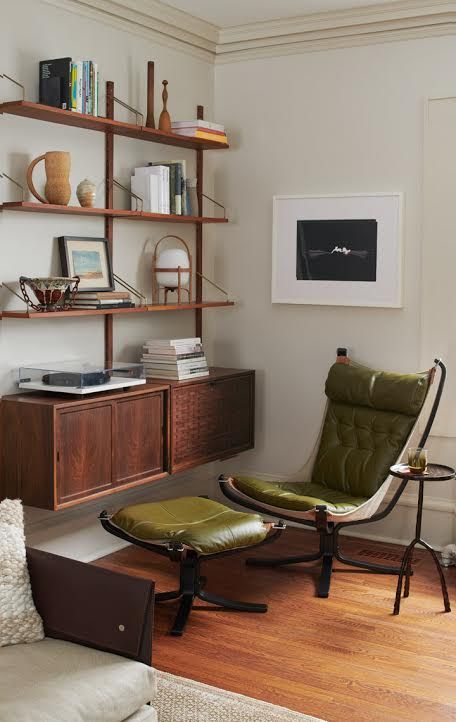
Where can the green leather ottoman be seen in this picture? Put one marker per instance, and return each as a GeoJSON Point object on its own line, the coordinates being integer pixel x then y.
{"type": "Point", "coordinates": [188, 530]}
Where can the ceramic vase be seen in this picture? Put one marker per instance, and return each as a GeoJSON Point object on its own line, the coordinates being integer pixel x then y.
{"type": "Point", "coordinates": [57, 190]}
{"type": "Point", "coordinates": [86, 193]}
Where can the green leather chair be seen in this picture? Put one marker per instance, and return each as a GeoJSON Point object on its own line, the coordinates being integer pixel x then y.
{"type": "Point", "coordinates": [370, 417]}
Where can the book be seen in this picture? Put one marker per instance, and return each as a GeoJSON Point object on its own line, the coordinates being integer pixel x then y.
{"type": "Point", "coordinates": [147, 187]}
{"type": "Point", "coordinates": [165, 358]}
{"type": "Point", "coordinates": [178, 378]}
{"type": "Point", "coordinates": [206, 135]}
{"type": "Point", "coordinates": [197, 124]}
{"type": "Point", "coordinates": [192, 129]}
{"type": "Point", "coordinates": [103, 295]}
{"type": "Point", "coordinates": [165, 342]}
{"type": "Point", "coordinates": [55, 83]}
{"type": "Point", "coordinates": [101, 305]}
{"type": "Point", "coordinates": [177, 184]}
{"type": "Point", "coordinates": [177, 365]}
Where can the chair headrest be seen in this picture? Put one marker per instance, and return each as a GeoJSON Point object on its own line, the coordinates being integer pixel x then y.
{"type": "Point", "coordinates": [383, 390]}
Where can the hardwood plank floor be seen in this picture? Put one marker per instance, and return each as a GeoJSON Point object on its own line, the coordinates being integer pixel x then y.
{"type": "Point", "coordinates": [342, 658]}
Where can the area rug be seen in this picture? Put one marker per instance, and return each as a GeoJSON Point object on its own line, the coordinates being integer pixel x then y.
{"type": "Point", "coordinates": [183, 700]}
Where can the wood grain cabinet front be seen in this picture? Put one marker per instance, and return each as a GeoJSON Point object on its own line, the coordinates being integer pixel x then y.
{"type": "Point", "coordinates": [212, 419]}
{"type": "Point", "coordinates": [57, 453]}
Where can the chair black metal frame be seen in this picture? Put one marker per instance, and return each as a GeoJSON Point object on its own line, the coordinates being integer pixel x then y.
{"type": "Point", "coordinates": [191, 582]}
{"type": "Point", "coordinates": [329, 548]}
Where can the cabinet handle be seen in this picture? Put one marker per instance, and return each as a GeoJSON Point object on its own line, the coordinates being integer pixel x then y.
{"type": "Point", "coordinates": [58, 456]}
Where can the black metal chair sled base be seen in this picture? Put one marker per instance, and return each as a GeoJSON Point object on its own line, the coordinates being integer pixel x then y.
{"type": "Point", "coordinates": [329, 549]}
{"type": "Point", "coordinates": [191, 582]}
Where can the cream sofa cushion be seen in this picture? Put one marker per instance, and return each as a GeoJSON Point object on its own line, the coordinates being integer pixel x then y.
{"type": "Point", "coordinates": [19, 620]}
{"type": "Point", "coordinates": [57, 681]}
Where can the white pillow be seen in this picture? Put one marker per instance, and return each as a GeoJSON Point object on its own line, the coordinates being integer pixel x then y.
{"type": "Point", "coordinates": [19, 620]}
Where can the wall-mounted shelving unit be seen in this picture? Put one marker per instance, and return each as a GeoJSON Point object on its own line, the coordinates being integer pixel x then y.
{"type": "Point", "coordinates": [111, 127]}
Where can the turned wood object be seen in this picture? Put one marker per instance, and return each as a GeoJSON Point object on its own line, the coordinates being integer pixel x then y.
{"type": "Point", "coordinates": [164, 122]}
{"type": "Point", "coordinates": [150, 120]}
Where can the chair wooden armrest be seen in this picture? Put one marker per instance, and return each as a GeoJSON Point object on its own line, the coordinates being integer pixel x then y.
{"type": "Point", "coordinates": [92, 606]}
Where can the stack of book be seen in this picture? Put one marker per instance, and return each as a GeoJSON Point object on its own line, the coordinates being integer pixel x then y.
{"type": "Point", "coordinates": [200, 129]}
{"type": "Point", "coordinates": [178, 359]}
{"type": "Point", "coordinates": [92, 300]}
{"type": "Point", "coordinates": [70, 85]}
{"type": "Point", "coordinates": [162, 186]}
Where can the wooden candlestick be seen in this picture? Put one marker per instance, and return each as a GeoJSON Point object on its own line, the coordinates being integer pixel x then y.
{"type": "Point", "coordinates": [150, 121]}
{"type": "Point", "coordinates": [164, 122]}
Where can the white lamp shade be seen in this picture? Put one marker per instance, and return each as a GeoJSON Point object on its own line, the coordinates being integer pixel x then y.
{"type": "Point", "coordinates": [173, 258]}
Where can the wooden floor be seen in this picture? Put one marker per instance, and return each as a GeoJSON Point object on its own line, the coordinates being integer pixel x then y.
{"type": "Point", "coordinates": [345, 658]}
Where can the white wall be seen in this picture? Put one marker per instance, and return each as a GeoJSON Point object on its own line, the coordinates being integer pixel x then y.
{"type": "Point", "coordinates": [28, 244]}
{"type": "Point", "coordinates": [348, 120]}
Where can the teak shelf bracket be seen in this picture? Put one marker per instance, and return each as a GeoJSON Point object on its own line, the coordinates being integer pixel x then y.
{"type": "Point", "coordinates": [136, 112]}
{"type": "Point", "coordinates": [16, 82]}
{"type": "Point", "coordinates": [5, 175]}
{"type": "Point", "coordinates": [216, 203]}
{"type": "Point", "coordinates": [208, 280]}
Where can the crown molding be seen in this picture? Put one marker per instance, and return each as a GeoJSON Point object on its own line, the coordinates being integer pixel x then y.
{"type": "Point", "coordinates": [386, 22]}
{"type": "Point", "coordinates": [152, 20]}
{"type": "Point", "coordinates": [402, 20]}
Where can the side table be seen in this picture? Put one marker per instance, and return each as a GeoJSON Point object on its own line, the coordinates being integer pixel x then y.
{"type": "Point", "coordinates": [434, 472]}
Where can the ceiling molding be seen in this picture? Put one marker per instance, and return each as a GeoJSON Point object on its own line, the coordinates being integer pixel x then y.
{"type": "Point", "coordinates": [403, 20]}
{"type": "Point", "coordinates": [153, 20]}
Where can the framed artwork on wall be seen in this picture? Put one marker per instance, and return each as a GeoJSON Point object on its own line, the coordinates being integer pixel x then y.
{"type": "Point", "coordinates": [89, 259]}
{"type": "Point", "coordinates": [338, 250]}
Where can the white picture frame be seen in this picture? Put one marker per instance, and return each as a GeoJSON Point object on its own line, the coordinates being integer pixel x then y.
{"type": "Point", "coordinates": [384, 287]}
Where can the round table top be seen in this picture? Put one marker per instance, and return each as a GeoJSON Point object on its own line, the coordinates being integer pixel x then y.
{"type": "Point", "coordinates": [434, 472]}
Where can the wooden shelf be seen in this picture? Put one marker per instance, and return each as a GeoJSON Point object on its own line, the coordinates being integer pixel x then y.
{"type": "Point", "coordinates": [130, 130]}
{"type": "Point", "coordinates": [116, 311]}
{"type": "Point", "coordinates": [28, 207]}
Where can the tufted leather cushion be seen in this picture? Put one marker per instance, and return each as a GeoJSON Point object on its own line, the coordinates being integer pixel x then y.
{"type": "Point", "coordinates": [202, 524]}
{"type": "Point", "coordinates": [362, 386]}
{"type": "Point", "coordinates": [299, 496]}
{"type": "Point", "coordinates": [358, 446]}
{"type": "Point", "coordinates": [369, 418]}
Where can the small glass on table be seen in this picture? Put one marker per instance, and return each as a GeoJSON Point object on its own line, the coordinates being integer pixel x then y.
{"type": "Point", "coordinates": [417, 460]}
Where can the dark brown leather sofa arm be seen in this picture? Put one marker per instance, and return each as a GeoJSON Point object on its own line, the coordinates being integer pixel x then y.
{"type": "Point", "coordinates": [92, 606]}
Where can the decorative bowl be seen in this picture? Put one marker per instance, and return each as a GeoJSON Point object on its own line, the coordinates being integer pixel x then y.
{"type": "Point", "coordinates": [50, 291]}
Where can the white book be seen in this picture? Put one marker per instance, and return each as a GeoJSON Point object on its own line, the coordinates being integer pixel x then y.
{"type": "Point", "coordinates": [147, 187]}
{"type": "Point", "coordinates": [173, 341]}
{"type": "Point", "coordinates": [80, 67]}
{"type": "Point", "coordinates": [197, 124]}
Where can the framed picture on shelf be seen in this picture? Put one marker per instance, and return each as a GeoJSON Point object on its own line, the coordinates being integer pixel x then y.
{"type": "Point", "coordinates": [338, 250]}
{"type": "Point", "coordinates": [89, 259]}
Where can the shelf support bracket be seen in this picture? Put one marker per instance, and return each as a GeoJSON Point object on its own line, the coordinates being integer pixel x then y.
{"type": "Point", "coordinates": [137, 113]}
{"type": "Point", "coordinates": [16, 82]}
{"type": "Point", "coordinates": [5, 175]}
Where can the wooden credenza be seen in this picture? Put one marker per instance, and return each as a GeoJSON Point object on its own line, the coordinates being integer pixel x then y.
{"type": "Point", "coordinates": [58, 451]}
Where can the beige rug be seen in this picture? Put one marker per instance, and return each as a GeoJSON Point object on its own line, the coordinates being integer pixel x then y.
{"type": "Point", "coordinates": [183, 700]}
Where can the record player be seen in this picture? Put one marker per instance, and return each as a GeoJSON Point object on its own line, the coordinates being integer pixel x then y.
{"type": "Point", "coordinates": [78, 377]}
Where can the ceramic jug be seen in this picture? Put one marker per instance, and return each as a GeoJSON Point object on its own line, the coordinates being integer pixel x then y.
{"type": "Point", "coordinates": [57, 190]}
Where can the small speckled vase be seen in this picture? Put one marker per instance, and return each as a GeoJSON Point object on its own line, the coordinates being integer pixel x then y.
{"type": "Point", "coordinates": [86, 193]}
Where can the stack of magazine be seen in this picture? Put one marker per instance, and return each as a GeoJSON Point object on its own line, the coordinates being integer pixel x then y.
{"type": "Point", "coordinates": [177, 359]}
